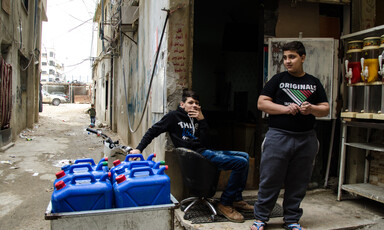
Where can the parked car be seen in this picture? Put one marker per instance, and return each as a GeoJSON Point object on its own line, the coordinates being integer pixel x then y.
{"type": "Point", "coordinates": [61, 94]}
{"type": "Point", "coordinates": [53, 99]}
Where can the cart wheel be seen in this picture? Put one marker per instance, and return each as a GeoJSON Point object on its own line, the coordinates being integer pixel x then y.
{"type": "Point", "coordinates": [187, 216]}
{"type": "Point", "coordinates": [183, 207]}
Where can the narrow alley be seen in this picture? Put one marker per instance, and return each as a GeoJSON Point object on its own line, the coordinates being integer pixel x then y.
{"type": "Point", "coordinates": [27, 169]}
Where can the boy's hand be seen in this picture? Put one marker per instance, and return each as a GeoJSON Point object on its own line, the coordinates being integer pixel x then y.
{"type": "Point", "coordinates": [293, 109]}
{"type": "Point", "coordinates": [306, 108]}
{"type": "Point", "coordinates": [135, 151]}
{"type": "Point", "coordinates": [196, 113]}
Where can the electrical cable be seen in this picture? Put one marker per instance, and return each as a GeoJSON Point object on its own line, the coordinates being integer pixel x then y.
{"type": "Point", "coordinates": [151, 80]}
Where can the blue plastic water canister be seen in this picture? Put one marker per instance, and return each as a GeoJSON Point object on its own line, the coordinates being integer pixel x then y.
{"type": "Point", "coordinates": [149, 159]}
{"type": "Point", "coordinates": [82, 193]}
{"type": "Point", "coordinates": [125, 169]}
{"type": "Point", "coordinates": [103, 161]}
{"type": "Point", "coordinates": [127, 161]}
{"type": "Point", "coordinates": [134, 191]}
{"type": "Point", "coordinates": [98, 172]}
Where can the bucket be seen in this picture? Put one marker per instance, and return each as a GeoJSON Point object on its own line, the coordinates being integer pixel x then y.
{"type": "Point", "coordinates": [133, 190]}
{"type": "Point", "coordinates": [83, 192]}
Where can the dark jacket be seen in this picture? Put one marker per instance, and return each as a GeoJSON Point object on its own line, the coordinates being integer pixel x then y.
{"type": "Point", "coordinates": [184, 131]}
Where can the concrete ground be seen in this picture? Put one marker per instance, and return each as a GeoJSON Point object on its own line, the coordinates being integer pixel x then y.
{"type": "Point", "coordinates": [28, 167]}
{"type": "Point", "coordinates": [321, 212]}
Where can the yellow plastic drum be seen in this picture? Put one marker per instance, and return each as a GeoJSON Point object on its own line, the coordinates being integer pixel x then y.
{"type": "Point", "coordinates": [370, 54]}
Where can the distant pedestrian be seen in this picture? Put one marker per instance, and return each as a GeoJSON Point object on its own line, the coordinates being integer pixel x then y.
{"type": "Point", "coordinates": [92, 114]}
{"type": "Point", "coordinates": [292, 99]}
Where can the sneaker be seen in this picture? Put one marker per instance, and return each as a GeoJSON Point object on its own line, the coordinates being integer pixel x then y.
{"type": "Point", "coordinates": [230, 213]}
{"type": "Point", "coordinates": [243, 206]}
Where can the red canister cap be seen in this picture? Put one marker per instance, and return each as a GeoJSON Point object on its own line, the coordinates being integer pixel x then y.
{"type": "Point", "coordinates": [120, 178]}
{"type": "Point", "coordinates": [60, 174]}
{"type": "Point", "coordinates": [116, 162]}
{"type": "Point", "coordinates": [59, 185]}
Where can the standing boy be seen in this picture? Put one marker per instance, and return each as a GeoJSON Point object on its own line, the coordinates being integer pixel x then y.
{"type": "Point", "coordinates": [92, 114]}
{"type": "Point", "coordinates": [292, 99]}
{"type": "Point", "coordinates": [188, 128]}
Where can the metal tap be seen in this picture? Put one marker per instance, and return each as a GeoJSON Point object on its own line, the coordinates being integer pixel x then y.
{"type": "Point", "coordinates": [364, 71]}
{"type": "Point", "coordinates": [348, 72]}
{"type": "Point", "coordinates": [381, 71]}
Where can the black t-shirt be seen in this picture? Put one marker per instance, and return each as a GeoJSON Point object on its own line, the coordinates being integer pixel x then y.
{"type": "Point", "coordinates": [285, 89]}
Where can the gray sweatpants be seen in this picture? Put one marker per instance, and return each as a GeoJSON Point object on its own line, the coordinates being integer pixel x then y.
{"type": "Point", "coordinates": [287, 159]}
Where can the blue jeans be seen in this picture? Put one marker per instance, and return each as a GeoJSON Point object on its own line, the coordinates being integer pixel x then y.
{"type": "Point", "coordinates": [236, 161]}
{"type": "Point", "coordinates": [93, 120]}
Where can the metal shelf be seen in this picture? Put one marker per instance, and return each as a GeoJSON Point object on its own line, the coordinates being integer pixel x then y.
{"type": "Point", "coordinates": [367, 146]}
{"type": "Point", "coordinates": [365, 189]}
{"type": "Point", "coordinates": [375, 31]}
{"type": "Point", "coordinates": [370, 191]}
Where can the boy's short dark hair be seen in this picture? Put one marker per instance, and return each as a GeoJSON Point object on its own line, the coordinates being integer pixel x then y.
{"type": "Point", "coordinates": [189, 93]}
{"type": "Point", "coordinates": [295, 46]}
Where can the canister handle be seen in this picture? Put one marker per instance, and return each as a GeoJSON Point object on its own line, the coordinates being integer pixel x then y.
{"type": "Point", "coordinates": [135, 164]}
{"type": "Point", "coordinates": [134, 156]}
{"type": "Point", "coordinates": [85, 160]}
{"type": "Point", "coordinates": [84, 165]}
{"type": "Point", "coordinates": [140, 169]}
{"type": "Point", "coordinates": [83, 176]}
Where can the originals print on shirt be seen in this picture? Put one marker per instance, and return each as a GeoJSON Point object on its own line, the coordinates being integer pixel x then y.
{"type": "Point", "coordinates": [298, 92]}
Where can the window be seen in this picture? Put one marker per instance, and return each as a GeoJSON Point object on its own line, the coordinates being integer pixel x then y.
{"type": "Point", "coordinates": [51, 71]}
{"type": "Point", "coordinates": [44, 72]}
{"type": "Point", "coordinates": [51, 63]}
{"type": "Point", "coordinates": [43, 63]}
{"type": "Point", "coordinates": [51, 54]}
{"type": "Point", "coordinates": [44, 55]}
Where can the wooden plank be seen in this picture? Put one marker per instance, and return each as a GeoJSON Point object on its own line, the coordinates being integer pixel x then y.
{"type": "Point", "coordinates": [364, 115]}
{"type": "Point", "coordinates": [378, 116]}
{"type": "Point", "coordinates": [370, 191]}
{"type": "Point", "coordinates": [348, 114]}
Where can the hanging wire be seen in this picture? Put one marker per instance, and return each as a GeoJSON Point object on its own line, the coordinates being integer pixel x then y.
{"type": "Point", "coordinates": [150, 83]}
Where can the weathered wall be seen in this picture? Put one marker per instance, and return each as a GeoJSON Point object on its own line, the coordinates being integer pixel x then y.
{"type": "Point", "coordinates": [20, 47]}
{"type": "Point", "coordinates": [134, 64]}
{"type": "Point", "coordinates": [134, 70]}
{"type": "Point", "coordinates": [172, 72]}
